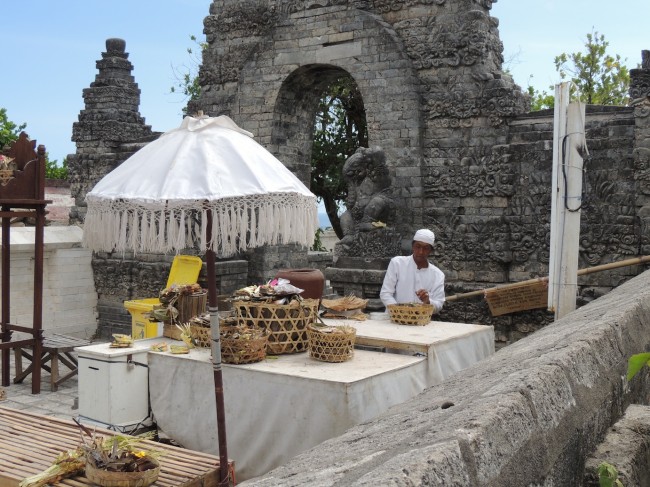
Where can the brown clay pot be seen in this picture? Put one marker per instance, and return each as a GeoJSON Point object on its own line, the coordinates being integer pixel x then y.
{"type": "Point", "coordinates": [311, 280]}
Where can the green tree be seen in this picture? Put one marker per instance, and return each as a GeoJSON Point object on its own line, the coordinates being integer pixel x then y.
{"type": "Point", "coordinates": [601, 79]}
{"type": "Point", "coordinates": [339, 130]}
{"type": "Point", "coordinates": [9, 131]}
{"type": "Point", "coordinates": [187, 79]}
{"type": "Point", "coordinates": [539, 100]}
{"type": "Point", "coordinates": [55, 171]}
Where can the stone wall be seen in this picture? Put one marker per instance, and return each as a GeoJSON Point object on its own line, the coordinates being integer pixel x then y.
{"type": "Point", "coordinates": [69, 296]}
{"type": "Point", "coordinates": [119, 278]}
{"type": "Point", "coordinates": [528, 415]}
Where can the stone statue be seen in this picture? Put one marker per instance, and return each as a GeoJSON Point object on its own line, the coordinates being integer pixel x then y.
{"type": "Point", "coordinates": [367, 222]}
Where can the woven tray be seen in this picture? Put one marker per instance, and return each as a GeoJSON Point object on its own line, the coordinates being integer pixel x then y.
{"type": "Point", "coordinates": [285, 324]}
{"type": "Point", "coordinates": [410, 313]}
{"type": "Point", "coordinates": [242, 345]}
{"type": "Point", "coordinates": [331, 343]}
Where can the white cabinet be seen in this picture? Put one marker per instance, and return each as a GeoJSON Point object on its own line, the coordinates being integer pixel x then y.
{"type": "Point", "coordinates": [114, 383]}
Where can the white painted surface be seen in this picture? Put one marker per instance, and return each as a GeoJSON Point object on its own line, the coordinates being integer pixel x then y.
{"type": "Point", "coordinates": [69, 296]}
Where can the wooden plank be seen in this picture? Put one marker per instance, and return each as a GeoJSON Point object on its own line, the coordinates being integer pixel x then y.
{"type": "Point", "coordinates": [30, 442]}
{"type": "Point", "coordinates": [390, 343]}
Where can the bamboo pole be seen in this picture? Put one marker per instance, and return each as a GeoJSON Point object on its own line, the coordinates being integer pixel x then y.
{"type": "Point", "coordinates": [581, 272]}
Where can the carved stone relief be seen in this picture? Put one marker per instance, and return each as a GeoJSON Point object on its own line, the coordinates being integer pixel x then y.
{"type": "Point", "coordinates": [473, 174]}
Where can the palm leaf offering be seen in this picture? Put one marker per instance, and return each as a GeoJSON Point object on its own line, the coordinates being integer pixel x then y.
{"type": "Point", "coordinates": [114, 454]}
{"type": "Point", "coordinates": [346, 307]}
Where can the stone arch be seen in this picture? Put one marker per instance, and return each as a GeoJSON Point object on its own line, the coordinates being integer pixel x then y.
{"type": "Point", "coordinates": [294, 112]}
{"type": "Point", "coordinates": [270, 96]}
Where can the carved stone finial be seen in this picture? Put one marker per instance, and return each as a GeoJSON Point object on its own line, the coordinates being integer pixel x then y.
{"type": "Point", "coordinates": [115, 46]}
{"type": "Point", "coordinates": [645, 59]}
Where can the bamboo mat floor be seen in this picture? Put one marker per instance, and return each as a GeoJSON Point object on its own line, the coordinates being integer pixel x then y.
{"type": "Point", "coordinates": [48, 429]}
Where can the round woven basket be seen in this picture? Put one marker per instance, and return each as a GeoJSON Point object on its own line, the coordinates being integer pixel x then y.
{"type": "Point", "coordinates": [105, 478]}
{"type": "Point", "coordinates": [236, 349]}
{"type": "Point", "coordinates": [331, 343]}
{"type": "Point", "coordinates": [410, 313]}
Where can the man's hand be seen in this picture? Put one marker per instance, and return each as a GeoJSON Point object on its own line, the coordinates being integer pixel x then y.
{"type": "Point", "coordinates": [422, 295]}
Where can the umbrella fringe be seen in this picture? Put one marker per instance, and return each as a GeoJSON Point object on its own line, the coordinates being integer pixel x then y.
{"type": "Point", "coordinates": [238, 224]}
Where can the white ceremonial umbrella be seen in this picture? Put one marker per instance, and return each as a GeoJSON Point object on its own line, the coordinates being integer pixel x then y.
{"type": "Point", "coordinates": [206, 183]}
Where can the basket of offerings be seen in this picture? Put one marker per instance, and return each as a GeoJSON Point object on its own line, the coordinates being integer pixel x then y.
{"type": "Point", "coordinates": [241, 344]}
{"type": "Point", "coordinates": [189, 300]}
{"type": "Point", "coordinates": [410, 313]}
{"type": "Point", "coordinates": [284, 315]}
{"type": "Point", "coordinates": [331, 343]}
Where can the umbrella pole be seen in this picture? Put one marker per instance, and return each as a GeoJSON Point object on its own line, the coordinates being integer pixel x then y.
{"type": "Point", "coordinates": [216, 360]}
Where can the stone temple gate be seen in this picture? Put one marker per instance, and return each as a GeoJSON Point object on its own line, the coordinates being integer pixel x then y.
{"type": "Point", "coordinates": [429, 72]}
{"type": "Point", "coordinates": [463, 155]}
{"type": "Point", "coordinates": [431, 79]}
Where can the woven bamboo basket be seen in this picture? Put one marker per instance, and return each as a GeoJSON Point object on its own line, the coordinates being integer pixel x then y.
{"type": "Point", "coordinates": [202, 336]}
{"type": "Point", "coordinates": [410, 313]}
{"type": "Point", "coordinates": [105, 478]}
{"type": "Point", "coordinates": [191, 305]}
{"type": "Point", "coordinates": [331, 343]}
{"type": "Point", "coordinates": [242, 344]}
{"type": "Point", "coordinates": [285, 324]}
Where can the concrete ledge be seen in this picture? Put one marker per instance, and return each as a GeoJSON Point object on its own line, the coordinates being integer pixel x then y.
{"type": "Point", "coordinates": [54, 237]}
{"type": "Point", "coordinates": [529, 415]}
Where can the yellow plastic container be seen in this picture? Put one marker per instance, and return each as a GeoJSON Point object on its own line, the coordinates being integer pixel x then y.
{"type": "Point", "coordinates": [185, 270]}
{"type": "Point", "coordinates": [141, 325]}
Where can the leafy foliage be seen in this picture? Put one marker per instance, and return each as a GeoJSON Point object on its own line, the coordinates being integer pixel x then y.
{"type": "Point", "coordinates": [318, 243]}
{"type": "Point", "coordinates": [608, 476]}
{"type": "Point", "coordinates": [540, 100]}
{"type": "Point", "coordinates": [187, 79]}
{"type": "Point", "coordinates": [600, 78]}
{"type": "Point", "coordinates": [54, 171]}
{"type": "Point", "coordinates": [339, 130]}
{"type": "Point", "coordinates": [635, 363]}
{"type": "Point", "coordinates": [9, 131]}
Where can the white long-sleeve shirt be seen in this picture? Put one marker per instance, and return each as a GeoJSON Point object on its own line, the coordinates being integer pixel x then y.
{"type": "Point", "coordinates": [403, 279]}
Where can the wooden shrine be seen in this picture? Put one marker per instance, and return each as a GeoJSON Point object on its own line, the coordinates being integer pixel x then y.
{"type": "Point", "coordinates": [22, 195]}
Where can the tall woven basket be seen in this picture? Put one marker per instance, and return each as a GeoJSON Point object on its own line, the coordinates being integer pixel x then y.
{"type": "Point", "coordinates": [331, 343]}
{"type": "Point", "coordinates": [410, 313]}
{"type": "Point", "coordinates": [191, 305]}
{"type": "Point", "coordinates": [285, 324]}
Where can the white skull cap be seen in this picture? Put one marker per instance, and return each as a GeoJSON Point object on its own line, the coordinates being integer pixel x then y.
{"type": "Point", "coordinates": [424, 235]}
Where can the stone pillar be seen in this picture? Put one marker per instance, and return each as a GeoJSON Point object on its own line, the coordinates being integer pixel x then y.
{"type": "Point", "coordinates": [110, 119]}
{"type": "Point", "coordinates": [640, 100]}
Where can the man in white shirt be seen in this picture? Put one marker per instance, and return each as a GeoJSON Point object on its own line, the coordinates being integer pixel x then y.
{"type": "Point", "coordinates": [413, 279]}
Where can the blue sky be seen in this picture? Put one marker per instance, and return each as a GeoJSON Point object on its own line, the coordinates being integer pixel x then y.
{"type": "Point", "coordinates": [50, 48]}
